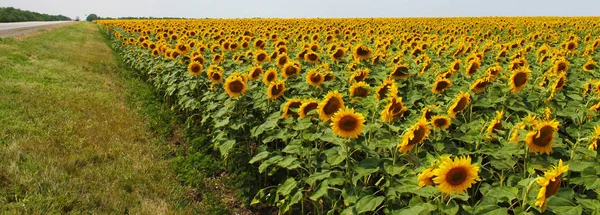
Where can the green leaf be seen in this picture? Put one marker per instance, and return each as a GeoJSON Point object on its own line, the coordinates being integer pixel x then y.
{"type": "Point", "coordinates": [335, 155]}
{"type": "Point", "coordinates": [416, 210]}
{"type": "Point", "coordinates": [320, 190]}
{"type": "Point", "coordinates": [451, 208]}
{"type": "Point", "coordinates": [222, 123]}
{"type": "Point", "coordinates": [330, 138]}
{"type": "Point", "coordinates": [287, 186]}
{"type": "Point", "coordinates": [499, 211]}
{"type": "Point", "coordinates": [393, 169]}
{"type": "Point", "coordinates": [289, 162]}
{"type": "Point", "coordinates": [368, 203]}
{"type": "Point", "coordinates": [313, 178]}
{"type": "Point", "coordinates": [226, 147]}
{"type": "Point", "coordinates": [289, 202]}
{"type": "Point", "coordinates": [293, 148]}
{"type": "Point", "coordinates": [365, 167]}
{"type": "Point", "coordinates": [505, 193]}
{"type": "Point", "coordinates": [302, 125]}
{"type": "Point", "coordinates": [260, 156]}
{"type": "Point", "coordinates": [578, 166]}
{"type": "Point", "coordinates": [263, 166]}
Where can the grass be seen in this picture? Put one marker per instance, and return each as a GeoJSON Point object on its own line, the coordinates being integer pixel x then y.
{"type": "Point", "coordinates": [73, 135]}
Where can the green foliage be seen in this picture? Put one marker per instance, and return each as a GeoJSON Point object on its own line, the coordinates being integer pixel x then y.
{"type": "Point", "coordinates": [92, 17]}
{"type": "Point", "coordinates": [10, 14]}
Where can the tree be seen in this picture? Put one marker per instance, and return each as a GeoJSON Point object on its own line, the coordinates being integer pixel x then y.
{"type": "Point", "coordinates": [91, 17]}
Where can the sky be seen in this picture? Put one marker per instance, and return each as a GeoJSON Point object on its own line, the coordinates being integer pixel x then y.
{"type": "Point", "coordinates": [307, 8]}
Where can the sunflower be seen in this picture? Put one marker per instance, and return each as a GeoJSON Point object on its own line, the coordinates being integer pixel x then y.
{"type": "Point", "coordinates": [393, 109]}
{"type": "Point", "coordinates": [306, 107]}
{"type": "Point", "coordinates": [595, 138]}
{"type": "Point", "coordinates": [261, 56]}
{"type": "Point", "coordinates": [441, 122]}
{"type": "Point", "coordinates": [289, 105]}
{"type": "Point", "coordinates": [215, 74]}
{"type": "Point", "coordinates": [282, 60]}
{"type": "Point", "coordinates": [550, 184]}
{"type": "Point", "coordinates": [595, 107]}
{"type": "Point", "coordinates": [359, 75]}
{"type": "Point", "coordinates": [275, 89]}
{"type": "Point", "coordinates": [460, 103]}
{"type": "Point", "coordinates": [338, 54]}
{"type": "Point", "coordinates": [514, 137]}
{"type": "Point", "coordinates": [495, 125]}
{"type": "Point", "coordinates": [474, 65]}
{"type": "Point", "coordinates": [586, 88]}
{"type": "Point", "coordinates": [426, 177]}
{"type": "Point", "coordinates": [480, 85]}
{"type": "Point", "coordinates": [330, 105]}
{"type": "Point", "coordinates": [290, 69]}
{"type": "Point", "coordinates": [455, 66]}
{"type": "Point", "coordinates": [517, 63]}
{"type": "Point", "coordinates": [235, 85]}
{"type": "Point", "coordinates": [386, 89]}
{"type": "Point", "coordinates": [359, 89]}
{"type": "Point", "coordinates": [441, 85]}
{"type": "Point", "coordinates": [198, 58]}
{"type": "Point", "coordinates": [315, 78]}
{"type": "Point", "coordinates": [378, 58]}
{"type": "Point", "coordinates": [561, 65]}
{"type": "Point", "coordinates": [328, 76]}
{"type": "Point", "coordinates": [255, 72]}
{"type": "Point", "coordinates": [217, 58]}
{"type": "Point", "coordinates": [347, 124]}
{"type": "Point", "coordinates": [571, 45]}
{"type": "Point", "coordinates": [361, 52]}
{"type": "Point", "coordinates": [494, 70]}
{"type": "Point", "coordinates": [415, 135]}
{"type": "Point", "coordinates": [559, 83]}
{"type": "Point", "coordinates": [428, 113]}
{"type": "Point", "coordinates": [194, 68]}
{"type": "Point", "coordinates": [518, 79]}
{"type": "Point", "coordinates": [311, 57]}
{"type": "Point", "coordinates": [455, 176]}
{"type": "Point", "coordinates": [270, 76]}
{"type": "Point", "coordinates": [590, 65]}
{"type": "Point", "coordinates": [400, 71]}
{"type": "Point", "coordinates": [541, 138]}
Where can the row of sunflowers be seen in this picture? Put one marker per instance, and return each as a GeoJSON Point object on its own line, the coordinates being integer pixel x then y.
{"type": "Point", "coordinates": [395, 116]}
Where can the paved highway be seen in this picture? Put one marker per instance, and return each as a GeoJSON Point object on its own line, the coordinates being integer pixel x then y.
{"type": "Point", "coordinates": [17, 25]}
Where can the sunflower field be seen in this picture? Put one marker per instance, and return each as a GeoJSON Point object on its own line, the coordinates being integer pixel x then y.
{"type": "Point", "coordinates": [388, 116]}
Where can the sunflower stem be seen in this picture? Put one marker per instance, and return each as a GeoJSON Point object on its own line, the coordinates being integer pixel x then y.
{"type": "Point", "coordinates": [526, 194]}
{"type": "Point", "coordinates": [525, 157]}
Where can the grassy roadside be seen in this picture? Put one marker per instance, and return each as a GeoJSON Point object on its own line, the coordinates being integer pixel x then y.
{"type": "Point", "coordinates": [71, 139]}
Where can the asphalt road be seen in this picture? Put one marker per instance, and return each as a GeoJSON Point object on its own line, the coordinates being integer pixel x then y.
{"type": "Point", "coordinates": [22, 28]}
{"type": "Point", "coordinates": [16, 25]}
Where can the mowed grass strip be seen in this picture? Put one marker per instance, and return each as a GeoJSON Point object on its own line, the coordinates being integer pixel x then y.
{"type": "Point", "coordinates": [68, 140]}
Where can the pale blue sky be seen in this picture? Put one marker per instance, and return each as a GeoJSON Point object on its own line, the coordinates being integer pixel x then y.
{"type": "Point", "coordinates": [309, 8]}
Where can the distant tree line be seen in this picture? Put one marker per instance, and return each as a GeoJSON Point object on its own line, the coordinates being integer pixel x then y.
{"type": "Point", "coordinates": [10, 14]}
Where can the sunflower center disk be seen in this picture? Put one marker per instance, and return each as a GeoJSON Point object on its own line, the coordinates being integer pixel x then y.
{"type": "Point", "coordinates": [332, 106]}
{"type": "Point", "coordinates": [520, 79]}
{"type": "Point", "coordinates": [348, 123]}
{"type": "Point", "coordinates": [461, 105]}
{"type": "Point", "coordinates": [236, 86]}
{"type": "Point", "coordinates": [456, 176]}
{"type": "Point", "coordinates": [544, 136]}
{"type": "Point", "coordinates": [419, 134]}
{"type": "Point", "coordinates": [552, 187]}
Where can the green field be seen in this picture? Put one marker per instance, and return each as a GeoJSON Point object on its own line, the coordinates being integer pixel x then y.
{"type": "Point", "coordinates": [77, 135]}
